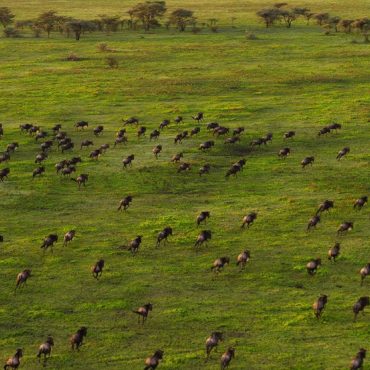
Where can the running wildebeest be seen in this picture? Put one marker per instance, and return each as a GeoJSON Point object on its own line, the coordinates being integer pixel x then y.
{"type": "Point", "coordinates": [1, 130]}
{"type": "Point", "coordinates": [74, 161]}
{"type": "Point", "coordinates": [95, 154]}
{"type": "Point", "coordinates": [206, 145]}
{"type": "Point", "coordinates": [164, 124]}
{"type": "Point", "coordinates": [60, 135]}
{"type": "Point", "coordinates": [249, 219]}
{"type": "Point", "coordinates": [212, 342]}
{"type": "Point", "coordinates": [131, 121]}
{"type": "Point", "coordinates": [212, 125]}
{"type": "Point", "coordinates": [77, 339]}
{"type": "Point", "coordinates": [56, 128]}
{"type": "Point", "coordinates": [220, 130]}
{"type": "Point", "coordinates": [344, 227]}
{"type": "Point", "coordinates": [178, 138]}
{"type": "Point", "coordinates": [86, 144]}
{"type": "Point", "coordinates": [203, 217]}
{"type": "Point", "coordinates": [45, 348]}
{"type": "Point", "coordinates": [326, 205]}
{"type": "Point", "coordinates": [49, 241]}
{"type": "Point", "coordinates": [22, 278]}
{"type": "Point", "coordinates": [15, 361]}
{"type": "Point", "coordinates": [198, 117]}
{"type": "Point", "coordinates": [25, 127]}
{"type": "Point", "coordinates": [38, 171]}
{"type": "Point", "coordinates": [4, 157]}
{"type": "Point", "coordinates": [4, 173]}
{"type": "Point", "coordinates": [177, 157]}
{"type": "Point", "coordinates": [335, 126]}
{"type": "Point", "coordinates": [156, 150]}
{"type": "Point", "coordinates": [34, 130]}
{"type": "Point", "coordinates": [125, 203]}
{"type": "Point", "coordinates": [81, 125]}
{"type": "Point", "coordinates": [12, 147]}
{"type": "Point", "coordinates": [306, 161]}
{"type": "Point", "coordinates": [97, 269]}
{"type": "Point", "coordinates": [343, 152]}
{"type": "Point", "coordinates": [68, 170]}
{"type": "Point", "coordinates": [41, 135]}
{"type": "Point", "coordinates": [360, 202]}
{"type": "Point", "coordinates": [238, 131]}
{"type": "Point", "coordinates": [98, 130]}
{"type": "Point", "coordinates": [319, 305]}
{"type": "Point", "coordinates": [257, 142]}
{"type": "Point", "coordinates": [154, 134]}
{"type": "Point", "coordinates": [334, 252]}
{"type": "Point", "coordinates": [203, 237]}
{"type": "Point", "coordinates": [267, 138]}
{"type": "Point", "coordinates": [134, 245]}
{"type": "Point", "coordinates": [360, 306]}
{"type": "Point", "coordinates": [120, 140]}
{"type": "Point", "coordinates": [195, 131]}
{"type": "Point", "coordinates": [128, 160]}
{"type": "Point", "coordinates": [64, 142]}
{"type": "Point", "coordinates": [40, 157]}
{"type": "Point", "coordinates": [68, 237]}
{"type": "Point", "coordinates": [59, 166]}
{"type": "Point", "coordinates": [104, 147]}
{"type": "Point", "coordinates": [184, 167]}
{"type": "Point", "coordinates": [68, 146]}
{"type": "Point", "coordinates": [313, 222]}
{"type": "Point", "coordinates": [121, 132]}
{"type": "Point", "coordinates": [313, 265]}
{"type": "Point", "coordinates": [178, 119]}
{"type": "Point", "coordinates": [204, 169]}
{"type": "Point", "coordinates": [364, 272]}
{"type": "Point", "coordinates": [233, 170]}
{"type": "Point", "coordinates": [81, 180]}
{"type": "Point", "coordinates": [283, 153]}
{"type": "Point", "coordinates": [220, 263]}
{"type": "Point", "coordinates": [227, 357]}
{"type": "Point", "coordinates": [358, 361]}
{"type": "Point", "coordinates": [152, 362]}
{"type": "Point", "coordinates": [243, 258]}
{"type": "Point", "coordinates": [163, 235]}
{"type": "Point", "coordinates": [323, 131]}
{"type": "Point", "coordinates": [289, 134]}
{"type": "Point", "coordinates": [232, 140]}
{"type": "Point", "coordinates": [143, 312]}
{"type": "Point", "coordinates": [46, 145]}
{"type": "Point", "coordinates": [141, 131]}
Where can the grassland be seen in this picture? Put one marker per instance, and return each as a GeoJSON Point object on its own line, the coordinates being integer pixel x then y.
{"type": "Point", "coordinates": [295, 79]}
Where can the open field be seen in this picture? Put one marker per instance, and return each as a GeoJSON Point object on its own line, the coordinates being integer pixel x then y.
{"type": "Point", "coordinates": [288, 79]}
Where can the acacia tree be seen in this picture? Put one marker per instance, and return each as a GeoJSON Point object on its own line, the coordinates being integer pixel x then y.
{"type": "Point", "coordinates": [78, 27]}
{"type": "Point", "coordinates": [110, 23]}
{"type": "Point", "coordinates": [148, 13]}
{"type": "Point", "coordinates": [6, 16]}
{"type": "Point", "coordinates": [181, 18]}
{"type": "Point", "coordinates": [346, 25]}
{"type": "Point", "coordinates": [289, 16]}
{"type": "Point", "coordinates": [321, 18]}
{"type": "Point", "coordinates": [363, 27]}
{"type": "Point", "coordinates": [47, 21]}
{"type": "Point", "coordinates": [269, 16]}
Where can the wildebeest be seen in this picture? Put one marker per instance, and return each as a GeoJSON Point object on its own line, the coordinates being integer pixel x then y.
{"type": "Point", "coordinates": [98, 130]}
{"type": "Point", "coordinates": [154, 134]}
{"type": "Point", "coordinates": [360, 306]}
{"type": "Point", "coordinates": [220, 130]}
{"type": "Point", "coordinates": [204, 169]}
{"type": "Point", "coordinates": [143, 312]}
{"type": "Point", "coordinates": [86, 143]}
{"type": "Point", "coordinates": [41, 135]}
{"type": "Point", "coordinates": [334, 252]}
{"type": "Point", "coordinates": [344, 227]}
{"type": "Point", "coordinates": [74, 161]}
{"type": "Point", "coordinates": [15, 361]}
{"type": "Point", "coordinates": [184, 167]}
{"type": "Point", "coordinates": [319, 305]}
{"type": "Point", "coordinates": [1, 130]}
{"type": "Point", "coordinates": [97, 269]}
{"type": "Point", "coordinates": [68, 237]}
{"type": "Point", "coordinates": [22, 278]}
{"type": "Point", "coordinates": [95, 154]}
{"type": "Point", "coordinates": [227, 357]}
{"type": "Point", "coordinates": [134, 245]}
{"type": "Point", "coordinates": [60, 135]}
{"type": "Point", "coordinates": [343, 152]}
{"type": "Point", "coordinates": [56, 128]}
{"type": "Point", "coordinates": [238, 131]}
{"type": "Point", "coordinates": [203, 237]}
{"type": "Point", "coordinates": [198, 117]}
{"type": "Point", "coordinates": [68, 146]}
{"type": "Point", "coordinates": [177, 157]}
{"type": "Point", "coordinates": [283, 153]}
{"type": "Point", "coordinates": [164, 124]}
{"type": "Point", "coordinates": [249, 219]}
{"type": "Point", "coordinates": [334, 126]}
{"type": "Point", "coordinates": [313, 222]}
{"type": "Point", "coordinates": [306, 161]}
{"type": "Point", "coordinates": [77, 339]}
{"type": "Point", "coordinates": [64, 141]}
{"type": "Point", "coordinates": [195, 131]}
{"type": "Point", "coordinates": [38, 171]}
{"type": "Point", "coordinates": [243, 258]}
{"type": "Point", "coordinates": [156, 150]}
{"type": "Point", "coordinates": [120, 140]}
{"type": "Point", "coordinates": [203, 217]}
{"type": "Point", "coordinates": [232, 140]}
{"type": "Point", "coordinates": [178, 119]}
{"type": "Point", "coordinates": [326, 205]}
{"type": "Point", "coordinates": [68, 170]}
{"type": "Point", "coordinates": [131, 121]}
{"type": "Point", "coordinates": [46, 145]}
{"type": "Point", "coordinates": [358, 361]}
{"type": "Point", "coordinates": [152, 362]}
{"type": "Point", "coordinates": [40, 157]}
{"type": "Point", "coordinates": [178, 138]}
{"type": "Point", "coordinates": [364, 272]}
{"type": "Point", "coordinates": [81, 125]}
{"type": "Point", "coordinates": [220, 263]}
{"type": "Point", "coordinates": [212, 125]}
{"type": "Point", "coordinates": [49, 241]}
{"type": "Point", "coordinates": [59, 166]}
{"type": "Point", "coordinates": [313, 265]}
{"type": "Point", "coordinates": [212, 341]}
{"type": "Point", "coordinates": [45, 348]}
{"type": "Point", "coordinates": [12, 147]}
{"type": "Point", "coordinates": [104, 147]}
{"type": "Point", "coordinates": [360, 202]}
{"type": "Point", "coordinates": [267, 138]}
{"type": "Point", "coordinates": [233, 170]}
{"type": "Point", "coordinates": [125, 203]}
{"type": "Point", "coordinates": [257, 142]}
{"type": "Point", "coordinates": [207, 145]}
{"type": "Point", "coordinates": [323, 131]}
{"type": "Point", "coordinates": [163, 235]}
{"type": "Point", "coordinates": [4, 173]}
{"type": "Point", "coordinates": [34, 130]}
{"type": "Point", "coordinates": [25, 127]}
{"type": "Point", "coordinates": [4, 157]}
{"type": "Point", "coordinates": [289, 134]}
{"type": "Point", "coordinates": [128, 160]}
{"type": "Point", "coordinates": [81, 180]}
{"type": "Point", "coordinates": [141, 131]}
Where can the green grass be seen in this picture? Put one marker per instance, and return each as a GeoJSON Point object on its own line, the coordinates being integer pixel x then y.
{"type": "Point", "coordinates": [295, 79]}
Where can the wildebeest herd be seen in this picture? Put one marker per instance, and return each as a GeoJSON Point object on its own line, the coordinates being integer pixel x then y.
{"type": "Point", "coordinates": [66, 168]}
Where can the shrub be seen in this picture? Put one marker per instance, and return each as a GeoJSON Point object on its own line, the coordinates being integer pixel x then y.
{"type": "Point", "coordinates": [250, 36]}
{"type": "Point", "coordinates": [11, 32]}
{"type": "Point", "coordinates": [112, 62]}
{"type": "Point", "coordinates": [72, 57]}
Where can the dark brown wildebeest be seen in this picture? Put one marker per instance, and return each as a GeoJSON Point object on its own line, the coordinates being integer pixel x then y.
{"type": "Point", "coordinates": [25, 127]}
{"type": "Point", "coordinates": [343, 152]}
{"type": "Point", "coordinates": [128, 161]}
{"type": "Point", "coordinates": [86, 144]}
{"type": "Point", "coordinates": [360, 202]}
{"type": "Point", "coordinates": [283, 153]}
{"type": "Point", "coordinates": [64, 141]}
{"type": "Point", "coordinates": [163, 235]}
{"type": "Point", "coordinates": [4, 173]}
{"type": "Point", "coordinates": [134, 245]}
{"type": "Point", "coordinates": [206, 145]}
{"type": "Point", "coordinates": [131, 121]}
{"type": "Point", "coordinates": [1, 130]}
{"type": "Point", "coordinates": [233, 170]}
{"type": "Point", "coordinates": [10, 148]}
{"type": "Point", "coordinates": [198, 117]}
{"type": "Point", "coordinates": [220, 263]}
{"type": "Point", "coordinates": [319, 305]}
{"type": "Point", "coordinates": [104, 147]}
{"type": "Point", "coordinates": [249, 219]}
{"type": "Point", "coordinates": [203, 217]}
{"type": "Point", "coordinates": [306, 161]}
{"type": "Point", "coordinates": [68, 146]}
{"type": "Point", "coordinates": [313, 222]}
{"type": "Point", "coordinates": [76, 340]}
{"type": "Point", "coordinates": [184, 167]}
{"type": "Point", "coordinates": [164, 124]}
{"type": "Point", "coordinates": [40, 157]}
{"type": "Point", "coordinates": [232, 140]}
{"type": "Point", "coordinates": [177, 157]}
{"type": "Point", "coordinates": [141, 131]}
{"type": "Point", "coordinates": [81, 180]}
{"type": "Point", "coordinates": [364, 272]}
{"type": "Point", "coordinates": [334, 126]}
{"type": "Point", "coordinates": [243, 258]}
{"type": "Point", "coordinates": [195, 131]}
{"type": "Point", "coordinates": [56, 128]}
{"type": "Point", "coordinates": [125, 203]}
{"type": "Point", "coordinates": [68, 237]}
{"type": "Point", "coordinates": [227, 357]}
{"type": "Point", "coordinates": [156, 150]}
{"type": "Point", "coordinates": [143, 312]}
{"type": "Point", "coordinates": [238, 131]}
{"type": "Point", "coordinates": [179, 119]}
{"type": "Point", "coordinates": [220, 130]}
{"type": "Point", "coordinates": [60, 135]}
{"type": "Point", "coordinates": [98, 130]}
{"type": "Point", "coordinates": [46, 145]}
{"type": "Point", "coordinates": [212, 342]}
{"type": "Point", "coordinates": [267, 138]}
{"type": "Point", "coordinates": [154, 134]}
{"type": "Point", "coordinates": [204, 169]}
{"type": "Point", "coordinates": [358, 361]}
{"type": "Point", "coordinates": [45, 348]}
{"type": "Point", "coordinates": [289, 134]}
{"type": "Point", "coordinates": [97, 269]}
{"type": "Point", "coordinates": [1, 239]}
{"type": "Point", "coordinates": [326, 205]}
{"type": "Point", "coordinates": [120, 140]}
{"type": "Point", "coordinates": [68, 170]}
{"type": "Point", "coordinates": [38, 171]}
{"type": "Point", "coordinates": [152, 362]}
{"type": "Point", "coordinates": [95, 154]}
{"type": "Point", "coordinates": [121, 132]}
{"type": "Point", "coordinates": [59, 166]}
{"type": "Point", "coordinates": [81, 125]}
{"type": "Point", "coordinates": [203, 237]}
{"type": "Point", "coordinates": [41, 135]}
{"type": "Point", "coordinates": [323, 131]}
{"type": "Point", "coordinates": [178, 138]}
{"type": "Point", "coordinates": [212, 125]}
{"type": "Point", "coordinates": [49, 241]}
{"type": "Point", "coordinates": [33, 130]}
{"type": "Point", "coordinates": [4, 157]}
{"type": "Point", "coordinates": [15, 361]}
{"type": "Point", "coordinates": [360, 306]}
{"type": "Point", "coordinates": [334, 252]}
{"type": "Point", "coordinates": [22, 278]}
{"type": "Point", "coordinates": [344, 227]}
{"type": "Point", "coordinates": [313, 265]}
{"type": "Point", "coordinates": [241, 163]}
{"type": "Point", "coordinates": [74, 161]}
{"type": "Point", "coordinates": [257, 142]}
